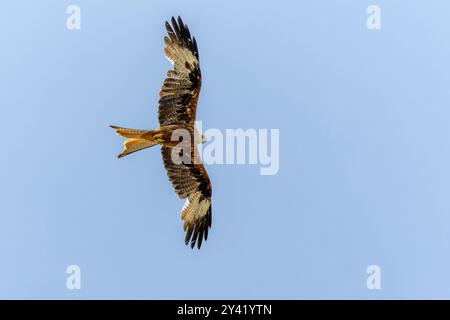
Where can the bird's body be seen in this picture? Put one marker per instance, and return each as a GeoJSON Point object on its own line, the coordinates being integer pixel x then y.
{"type": "Point", "coordinates": [177, 134]}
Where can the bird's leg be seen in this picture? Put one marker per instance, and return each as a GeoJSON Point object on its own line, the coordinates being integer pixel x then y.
{"type": "Point", "coordinates": [159, 138]}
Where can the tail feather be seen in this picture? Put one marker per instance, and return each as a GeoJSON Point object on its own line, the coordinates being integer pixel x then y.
{"type": "Point", "coordinates": [135, 140]}
{"type": "Point", "coordinates": [129, 133]}
{"type": "Point", "coordinates": [133, 145]}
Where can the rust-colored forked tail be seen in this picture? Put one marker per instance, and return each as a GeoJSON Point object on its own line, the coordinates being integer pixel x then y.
{"type": "Point", "coordinates": [135, 140]}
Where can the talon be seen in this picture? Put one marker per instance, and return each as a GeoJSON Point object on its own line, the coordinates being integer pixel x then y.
{"type": "Point", "coordinates": [159, 137]}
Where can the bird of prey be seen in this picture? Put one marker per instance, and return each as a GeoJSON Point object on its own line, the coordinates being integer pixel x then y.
{"type": "Point", "coordinates": [177, 109]}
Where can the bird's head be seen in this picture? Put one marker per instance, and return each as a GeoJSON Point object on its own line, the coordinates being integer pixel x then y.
{"type": "Point", "coordinates": [199, 137]}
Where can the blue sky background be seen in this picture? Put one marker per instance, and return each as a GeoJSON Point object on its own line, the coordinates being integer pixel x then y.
{"type": "Point", "coordinates": [364, 151]}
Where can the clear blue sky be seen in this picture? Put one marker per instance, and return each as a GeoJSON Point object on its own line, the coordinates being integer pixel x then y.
{"type": "Point", "coordinates": [364, 153]}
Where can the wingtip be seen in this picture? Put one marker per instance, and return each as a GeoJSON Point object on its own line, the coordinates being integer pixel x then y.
{"type": "Point", "coordinates": [199, 242]}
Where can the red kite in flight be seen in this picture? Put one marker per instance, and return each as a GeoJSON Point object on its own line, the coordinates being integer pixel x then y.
{"type": "Point", "coordinates": [176, 111]}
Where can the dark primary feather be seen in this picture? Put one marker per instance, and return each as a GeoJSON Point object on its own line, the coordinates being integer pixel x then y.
{"type": "Point", "coordinates": [180, 33]}
{"type": "Point", "coordinates": [199, 231]}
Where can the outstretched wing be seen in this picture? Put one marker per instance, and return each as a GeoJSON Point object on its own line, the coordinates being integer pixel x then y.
{"type": "Point", "coordinates": [191, 181]}
{"type": "Point", "coordinates": [180, 90]}
{"type": "Point", "coordinates": [178, 105]}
